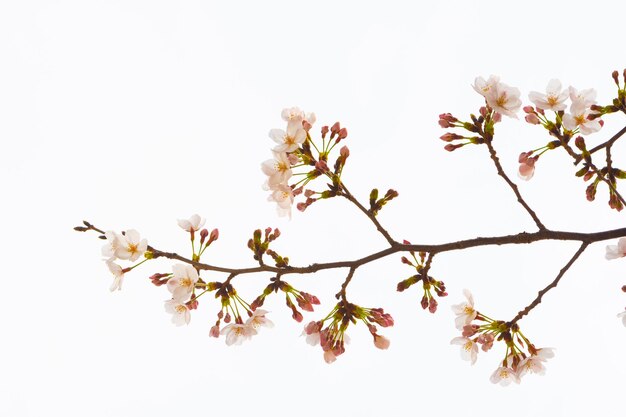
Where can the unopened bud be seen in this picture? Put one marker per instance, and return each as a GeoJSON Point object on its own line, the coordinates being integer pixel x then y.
{"type": "Point", "coordinates": [324, 131]}
{"type": "Point", "coordinates": [215, 234]}
{"type": "Point", "coordinates": [532, 119]}
{"type": "Point", "coordinates": [344, 152]}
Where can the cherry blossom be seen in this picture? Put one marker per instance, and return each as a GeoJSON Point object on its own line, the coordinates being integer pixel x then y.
{"type": "Point", "coordinates": [464, 311]}
{"type": "Point", "coordinates": [469, 348]}
{"type": "Point", "coordinates": [290, 140]}
{"type": "Point", "coordinates": [527, 165]}
{"type": "Point", "coordinates": [278, 169]}
{"type": "Point", "coordinates": [258, 319]}
{"type": "Point", "coordinates": [179, 311]}
{"type": "Point", "coordinates": [616, 251]}
{"type": "Point", "coordinates": [504, 376]}
{"type": "Point", "coordinates": [532, 364]}
{"type": "Point", "coordinates": [483, 87]}
{"type": "Point", "coordinates": [236, 333]}
{"type": "Point", "coordinates": [578, 118]}
{"type": "Point", "coordinates": [182, 283]}
{"type": "Point", "coordinates": [329, 356]}
{"type": "Point", "coordinates": [312, 332]}
{"type": "Point", "coordinates": [108, 250]}
{"type": "Point", "coordinates": [587, 97]}
{"type": "Point", "coordinates": [194, 223]}
{"type": "Point", "coordinates": [130, 246]}
{"type": "Point", "coordinates": [554, 99]}
{"type": "Point", "coordinates": [293, 115]}
{"type": "Point", "coordinates": [623, 316]}
{"type": "Point", "coordinates": [504, 99]}
{"type": "Point", "coordinates": [283, 196]}
{"type": "Point", "coordinates": [118, 274]}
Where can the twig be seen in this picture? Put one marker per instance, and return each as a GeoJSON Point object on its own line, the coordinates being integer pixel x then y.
{"type": "Point", "coordinates": [520, 199]}
{"type": "Point", "coordinates": [346, 193]}
{"type": "Point", "coordinates": [553, 284]}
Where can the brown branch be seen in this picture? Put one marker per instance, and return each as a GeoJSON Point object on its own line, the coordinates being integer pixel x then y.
{"type": "Point", "coordinates": [520, 238]}
{"type": "Point", "coordinates": [511, 184]}
{"type": "Point", "coordinates": [342, 294]}
{"type": "Point", "coordinates": [553, 284]}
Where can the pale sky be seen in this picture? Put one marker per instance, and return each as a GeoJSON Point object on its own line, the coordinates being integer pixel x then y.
{"type": "Point", "coordinates": [132, 114]}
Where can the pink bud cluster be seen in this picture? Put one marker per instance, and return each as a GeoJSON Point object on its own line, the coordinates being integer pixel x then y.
{"type": "Point", "coordinates": [520, 357]}
{"type": "Point", "coordinates": [332, 338]}
{"type": "Point", "coordinates": [304, 300]}
{"type": "Point", "coordinates": [429, 284]}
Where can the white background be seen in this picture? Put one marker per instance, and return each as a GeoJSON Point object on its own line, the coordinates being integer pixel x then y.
{"type": "Point", "coordinates": [132, 114]}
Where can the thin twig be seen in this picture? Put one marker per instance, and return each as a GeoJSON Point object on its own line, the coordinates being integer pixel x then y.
{"type": "Point", "coordinates": [553, 284]}
{"type": "Point", "coordinates": [346, 193]}
{"type": "Point", "coordinates": [520, 199]}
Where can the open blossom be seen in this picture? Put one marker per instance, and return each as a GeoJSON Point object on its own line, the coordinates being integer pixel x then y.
{"type": "Point", "coordinates": [587, 97]}
{"type": "Point", "coordinates": [532, 364]}
{"type": "Point", "coordinates": [504, 99]}
{"type": "Point", "coordinates": [464, 311]}
{"type": "Point", "coordinates": [578, 118]}
{"type": "Point", "coordinates": [312, 332]}
{"type": "Point", "coordinates": [483, 87]}
{"type": "Point", "coordinates": [179, 311]}
{"type": "Point", "coordinates": [283, 196]}
{"type": "Point", "coordinates": [504, 376]}
{"type": "Point", "coordinates": [118, 275]}
{"type": "Point", "coordinates": [623, 316]}
{"type": "Point", "coordinates": [278, 169]}
{"type": "Point", "coordinates": [616, 251]}
{"type": "Point", "coordinates": [124, 246]}
{"type": "Point", "coordinates": [195, 223]}
{"type": "Point", "coordinates": [469, 348]}
{"type": "Point", "coordinates": [554, 99]}
{"type": "Point", "coordinates": [236, 333]}
{"type": "Point", "coordinates": [290, 140]}
{"type": "Point", "coordinates": [381, 342]}
{"type": "Point", "coordinates": [527, 165]}
{"type": "Point", "coordinates": [292, 115]}
{"type": "Point", "coordinates": [258, 319]}
{"type": "Point", "coordinates": [183, 281]}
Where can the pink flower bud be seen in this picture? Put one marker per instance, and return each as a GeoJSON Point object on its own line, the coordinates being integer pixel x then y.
{"type": "Point", "coordinates": [497, 117]}
{"type": "Point", "coordinates": [381, 342]}
{"type": "Point", "coordinates": [335, 128]}
{"type": "Point", "coordinates": [344, 152]}
{"type": "Point", "coordinates": [324, 131]}
{"type": "Point", "coordinates": [529, 109]}
{"type": "Point", "coordinates": [329, 356]}
{"type": "Point", "coordinates": [309, 193]}
{"type": "Point", "coordinates": [301, 206]}
{"type": "Point", "coordinates": [343, 133]}
{"type": "Point", "coordinates": [297, 316]}
{"type": "Point", "coordinates": [483, 111]}
{"type": "Point", "coordinates": [470, 330]}
{"type": "Point", "coordinates": [215, 234]}
{"type": "Point", "coordinates": [532, 119]}
{"type": "Point", "coordinates": [215, 331]}
{"type": "Point", "coordinates": [306, 125]}
{"type": "Point", "coordinates": [321, 166]}
{"type": "Point", "coordinates": [424, 302]}
{"type": "Point", "coordinates": [203, 234]}
{"type": "Point", "coordinates": [432, 305]}
{"type": "Point", "coordinates": [450, 147]}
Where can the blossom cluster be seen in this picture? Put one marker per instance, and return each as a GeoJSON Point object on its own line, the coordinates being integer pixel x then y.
{"type": "Point", "coordinates": [332, 336]}
{"type": "Point", "coordinates": [128, 246]}
{"type": "Point", "coordinates": [521, 356]}
{"type": "Point", "coordinates": [294, 149]}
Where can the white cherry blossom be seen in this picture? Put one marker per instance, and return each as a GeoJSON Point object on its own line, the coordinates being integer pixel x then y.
{"type": "Point", "coordinates": [504, 376]}
{"type": "Point", "coordinates": [616, 251]}
{"type": "Point", "coordinates": [195, 223]}
{"type": "Point", "coordinates": [587, 97]}
{"type": "Point", "coordinates": [290, 140]}
{"type": "Point", "coordinates": [130, 246]}
{"type": "Point", "coordinates": [179, 311]}
{"type": "Point", "coordinates": [278, 169]}
{"type": "Point", "coordinates": [532, 364]}
{"type": "Point", "coordinates": [108, 250]}
{"type": "Point", "coordinates": [181, 285]}
{"type": "Point", "coordinates": [623, 316]}
{"type": "Point", "coordinates": [293, 115]}
{"type": "Point", "coordinates": [554, 99]}
{"type": "Point", "coordinates": [504, 99]}
{"type": "Point", "coordinates": [236, 333]}
{"type": "Point", "coordinates": [483, 87]}
{"type": "Point", "coordinates": [258, 319]}
{"type": "Point", "coordinates": [283, 196]}
{"type": "Point", "coordinates": [577, 118]}
{"type": "Point", "coordinates": [469, 348]}
{"type": "Point", "coordinates": [464, 311]}
{"type": "Point", "coordinates": [118, 275]}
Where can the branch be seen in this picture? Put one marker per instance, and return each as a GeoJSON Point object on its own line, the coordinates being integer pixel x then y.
{"type": "Point", "coordinates": [520, 238]}
{"type": "Point", "coordinates": [553, 284]}
{"type": "Point", "coordinates": [369, 214]}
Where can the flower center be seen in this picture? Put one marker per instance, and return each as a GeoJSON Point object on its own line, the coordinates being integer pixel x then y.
{"type": "Point", "coordinates": [185, 282]}
{"type": "Point", "coordinates": [180, 309]}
